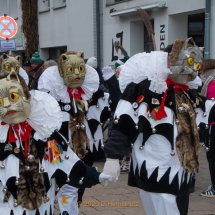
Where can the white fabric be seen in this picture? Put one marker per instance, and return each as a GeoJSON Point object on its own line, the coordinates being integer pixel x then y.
{"type": "Point", "coordinates": [49, 112]}
{"type": "Point", "coordinates": [51, 81]}
{"type": "Point", "coordinates": [195, 84]}
{"type": "Point", "coordinates": [151, 66]}
{"type": "Point", "coordinates": [159, 203]}
{"type": "Point", "coordinates": [24, 75]}
{"type": "Point", "coordinates": [112, 168]}
{"type": "Point", "coordinates": [67, 199]}
{"type": "Point", "coordinates": [107, 72]}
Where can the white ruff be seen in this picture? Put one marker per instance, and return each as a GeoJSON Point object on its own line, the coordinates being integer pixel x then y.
{"type": "Point", "coordinates": [151, 66]}
{"type": "Point", "coordinates": [51, 81]}
{"type": "Point", "coordinates": [45, 116]}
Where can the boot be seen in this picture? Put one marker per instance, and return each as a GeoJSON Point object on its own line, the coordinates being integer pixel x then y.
{"type": "Point", "coordinates": [192, 187]}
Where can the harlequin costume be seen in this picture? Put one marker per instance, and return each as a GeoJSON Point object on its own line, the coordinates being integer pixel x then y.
{"type": "Point", "coordinates": [156, 118]}
{"type": "Point", "coordinates": [84, 107]}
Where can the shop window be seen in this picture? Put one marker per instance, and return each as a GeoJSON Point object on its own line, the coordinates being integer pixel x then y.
{"type": "Point", "coordinates": [148, 44]}
{"type": "Point", "coordinates": [196, 28]}
{"type": "Point", "coordinates": [59, 4]}
{"type": "Point", "coordinates": [43, 5]}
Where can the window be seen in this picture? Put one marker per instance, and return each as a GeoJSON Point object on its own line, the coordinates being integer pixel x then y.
{"type": "Point", "coordinates": [110, 2]}
{"type": "Point", "coordinates": [148, 44]}
{"type": "Point", "coordinates": [43, 5]}
{"type": "Point", "coordinates": [59, 4]}
{"type": "Point", "coordinates": [196, 26]}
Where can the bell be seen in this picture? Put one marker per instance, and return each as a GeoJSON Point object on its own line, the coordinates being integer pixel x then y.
{"type": "Point", "coordinates": [82, 126]}
{"type": "Point", "coordinates": [136, 127]}
{"type": "Point", "coordinates": [27, 168]}
{"type": "Point", "coordinates": [4, 190]}
{"type": "Point", "coordinates": [97, 106]}
{"type": "Point", "coordinates": [57, 188]}
{"type": "Point", "coordinates": [213, 99]}
{"type": "Point", "coordinates": [77, 126]}
{"type": "Point", "coordinates": [2, 166]}
{"type": "Point", "coordinates": [30, 158]}
{"type": "Point", "coordinates": [102, 145]}
{"type": "Point", "coordinates": [135, 113]}
{"type": "Point", "coordinates": [74, 119]}
{"type": "Point", "coordinates": [17, 182]}
{"type": "Point", "coordinates": [103, 98]}
{"type": "Point", "coordinates": [68, 180]}
{"type": "Point", "coordinates": [132, 145]}
{"type": "Point", "coordinates": [172, 153]}
{"type": "Point", "coordinates": [67, 157]}
{"type": "Point", "coordinates": [94, 140]}
{"type": "Point", "coordinates": [149, 115]}
{"type": "Point", "coordinates": [101, 123]}
{"type": "Point", "coordinates": [204, 114]}
{"type": "Point", "coordinates": [110, 102]}
{"type": "Point", "coordinates": [206, 126]}
{"type": "Point", "coordinates": [203, 145]}
{"type": "Point", "coordinates": [180, 109]}
{"type": "Point", "coordinates": [81, 181]}
{"type": "Point", "coordinates": [207, 149]}
{"type": "Point", "coordinates": [153, 130]}
{"type": "Point", "coordinates": [176, 121]}
{"type": "Point", "coordinates": [15, 204]}
{"type": "Point", "coordinates": [42, 169]}
{"type": "Point", "coordinates": [86, 117]}
{"type": "Point", "coordinates": [198, 128]}
{"type": "Point", "coordinates": [109, 109]}
{"type": "Point", "coordinates": [55, 201]}
{"type": "Point", "coordinates": [47, 198]}
{"type": "Point", "coordinates": [116, 121]}
{"type": "Point", "coordinates": [141, 148]}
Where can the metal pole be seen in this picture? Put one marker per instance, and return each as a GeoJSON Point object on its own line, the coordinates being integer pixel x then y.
{"type": "Point", "coordinates": [98, 33]}
{"type": "Point", "coordinates": [207, 29]}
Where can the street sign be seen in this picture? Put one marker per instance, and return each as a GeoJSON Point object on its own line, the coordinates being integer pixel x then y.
{"type": "Point", "coordinates": [8, 27]}
{"type": "Point", "coordinates": [7, 45]}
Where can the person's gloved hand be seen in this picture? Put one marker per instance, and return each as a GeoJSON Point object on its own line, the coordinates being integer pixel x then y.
{"type": "Point", "coordinates": [112, 168]}
{"type": "Point", "coordinates": [107, 72]}
{"type": "Point", "coordinates": [103, 178]}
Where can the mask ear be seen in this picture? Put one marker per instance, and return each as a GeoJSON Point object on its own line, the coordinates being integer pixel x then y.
{"type": "Point", "coordinates": [80, 54]}
{"type": "Point", "coordinates": [64, 57]}
{"type": "Point", "coordinates": [17, 57]}
{"type": "Point", "coordinates": [13, 76]}
{"type": "Point", "coordinates": [4, 56]}
{"type": "Point", "coordinates": [188, 43]}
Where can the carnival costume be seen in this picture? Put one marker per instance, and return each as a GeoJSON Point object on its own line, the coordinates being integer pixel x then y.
{"type": "Point", "coordinates": [156, 118]}
{"type": "Point", "coordinates": [84, 107]}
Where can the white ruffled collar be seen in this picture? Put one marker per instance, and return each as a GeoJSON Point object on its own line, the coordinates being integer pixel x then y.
{"type": "Point", "coordinates": [51, 81]}
{"type": "Point", "coordinates": [151, 66]}
{"type": "Point", "coordinates": [45, 116]}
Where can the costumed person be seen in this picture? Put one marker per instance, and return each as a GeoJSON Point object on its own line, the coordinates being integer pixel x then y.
{"type": "Point", "coordinates": [10, 63]}
{"type": "Point", "coordinates": [27, 66]}
{"type": "Point", "coordinates": [75, 85]}
{"type": "Point", "coordinates": [156, 118]}
{"type": "Point", "coordinates": [208, 90]}
{"type": "Point", "coordinates": [36, 72]}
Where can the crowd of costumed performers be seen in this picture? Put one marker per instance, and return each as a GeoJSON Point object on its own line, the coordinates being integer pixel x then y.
{"type": "Point", "coordinates": [38, 158]}
{"type": "Point", "coordinates": [158, 117]}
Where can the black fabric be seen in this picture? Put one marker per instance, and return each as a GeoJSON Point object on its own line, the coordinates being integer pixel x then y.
{"type": "Point", "coordinates": [97, 95]}
{"type": "Point", "coordinates": [46, 181]}
{"type": "Point", "coordinates": [40, 145]}
{"type": "Point", "coordinates": [211, 153]}
{"type": "Point", "coordinates": [33, 81]}
{"type": "Point", "coordinates": [59, 137]}
{"type": "Point", "coordinates": [93, 125]}
{"type": "Point", "coordinates": [183, 204]}
{"type": "Point", "coordinates": [212, 172]}
{"type": "Point", "coordinates": [212, 115]}
{"type": "Point", "coordinates": [11, 186]}
{"type": "Point", "coordinates": [64, 107]}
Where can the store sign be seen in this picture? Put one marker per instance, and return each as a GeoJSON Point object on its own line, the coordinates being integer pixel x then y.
{"type": "Point", "coordinates": [7, 45]}
{"type": "Point", "coordinates": [162, 37]}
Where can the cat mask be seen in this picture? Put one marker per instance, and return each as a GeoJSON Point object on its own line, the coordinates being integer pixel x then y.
{"type": "Point", "coordinates": [185, 61]}
{"type": "Point", "coordinates": [14, 107]}
{"type": "Point", "coordinates": [72, 69]}
{"type": "Point", "coordinates": [9, 64]}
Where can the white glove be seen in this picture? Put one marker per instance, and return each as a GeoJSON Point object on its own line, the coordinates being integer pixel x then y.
{"type": "Point", "coordinates": [107, 72]}
{"type": "Point", "coordinates": [103, 178]}
{"type": "Point", "coordinates": [112, 168]}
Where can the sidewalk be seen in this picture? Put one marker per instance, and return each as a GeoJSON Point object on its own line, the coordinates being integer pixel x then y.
{"type": "Point", "coordinates": [120, 199]}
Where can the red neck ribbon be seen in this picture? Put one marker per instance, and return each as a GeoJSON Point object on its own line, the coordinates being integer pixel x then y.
{"type": "Point", "coordinates": [24, 134]}
{"type": "Point", "coordinates": [76, 93]}
{"type": "Point", "coordinates": [161, 112]}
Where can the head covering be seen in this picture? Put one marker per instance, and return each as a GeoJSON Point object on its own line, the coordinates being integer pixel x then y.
{"type": "Point", "coordinates": [92, 62]}
{"type": "Point", "coordinates": [36, 59]}
{"type": "Point", "coordinates": [27, 63]}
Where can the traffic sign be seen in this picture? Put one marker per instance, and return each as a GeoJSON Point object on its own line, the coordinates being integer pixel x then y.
{"type": "Point", "coordinates": [8, 27]}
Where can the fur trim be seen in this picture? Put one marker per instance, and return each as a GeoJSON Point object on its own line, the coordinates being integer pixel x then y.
{"type": "Point", "coordinates": [187, 141]}
{"type": "Point", "coordinates": [79, 136]}
{"type": "Point", "coordinates": [176, 49]}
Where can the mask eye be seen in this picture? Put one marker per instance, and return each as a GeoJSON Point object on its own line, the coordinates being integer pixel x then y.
{"type": "Point", "coordinates": [198, 66]}
{"type": "Point", "coordinates": [1, 102]}
{"type": "Point", "coordinates": [81, 68]}
{"type": "Point", "coordinates": [190, 61]}
{"type": "Point", "coordinates": [13, 96]}
{"type": "Point", "coordinates": [16, 68]}
{"type": "Point", "coordinates": [71, 69]}
{"type": "Point", "coordinates": [7, 67]}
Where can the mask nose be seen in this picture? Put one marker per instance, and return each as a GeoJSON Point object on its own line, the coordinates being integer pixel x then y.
{"type": "Point", "coordinates": [6, 102]}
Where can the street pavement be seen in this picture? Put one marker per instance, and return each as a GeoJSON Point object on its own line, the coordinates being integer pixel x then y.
{"type": "Point", "coordinates": [119, 199]}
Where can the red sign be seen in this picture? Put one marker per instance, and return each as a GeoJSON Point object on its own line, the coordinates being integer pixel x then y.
{"type": "Point", "coordinates": [8, 27]}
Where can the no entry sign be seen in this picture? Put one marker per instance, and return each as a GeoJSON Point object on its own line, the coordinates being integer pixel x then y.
{"type": "Point", "coordinates": [8, 27]}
